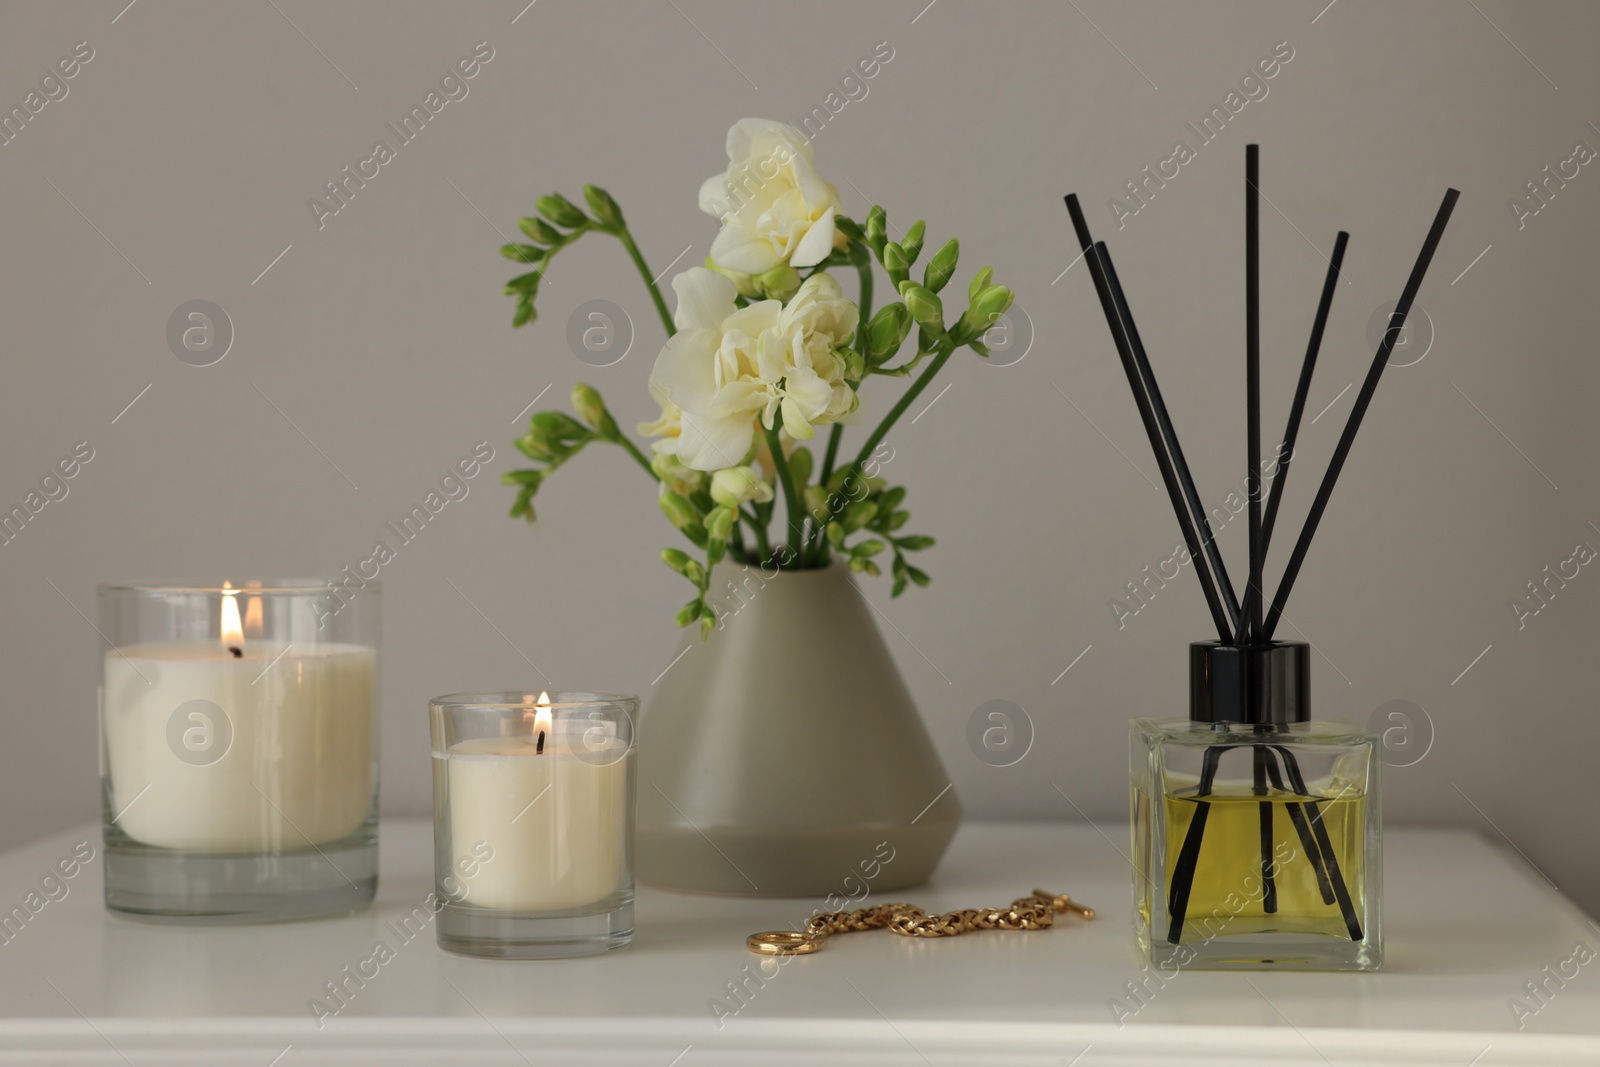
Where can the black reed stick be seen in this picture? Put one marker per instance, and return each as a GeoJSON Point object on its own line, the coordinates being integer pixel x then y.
{"type": "Point", "coordinates": [1260, 759]}
{"type": "Point", "coordinates": [1397, 321]}
{"type": "Point", "coordinates": [1208, 539]}
{"type": "Point", "coordinates": [1301, 392]}
{"type": "Point", "coordinates": [1097, 271]}
{"type": "Point", "coordinates": [1252, 375]}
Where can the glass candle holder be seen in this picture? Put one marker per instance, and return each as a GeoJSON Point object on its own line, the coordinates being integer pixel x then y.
{"type": "Point", "coordinates": [1256, 832]}
{"type": "Point", "coordinates": [533, 823]}
{"type": "Point", "coordinates": [238, 756]}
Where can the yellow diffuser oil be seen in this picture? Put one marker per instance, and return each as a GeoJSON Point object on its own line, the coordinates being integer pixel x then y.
{"type": "Point", "coordinates": [1256, 844]}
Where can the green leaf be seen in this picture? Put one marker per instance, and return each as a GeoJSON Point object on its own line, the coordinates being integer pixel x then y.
{"type": "Point", "coordinates": [919, 577]}
{"type": "Point", "coordinates": [890, 499]}
{"type": "Point", "coordinates": [524, 313]}
{"type": "Point", "coordinates": [897, 520]}
{"type": "Point", "coordinates": [836, 535]}
{"type": "Point", "coordinates": [915, 543]}
{"type": "Point", "coordinates": [867, 548]}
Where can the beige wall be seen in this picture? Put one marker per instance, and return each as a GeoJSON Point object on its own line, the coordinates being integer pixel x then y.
{"type": "Point", "coordinates": [377, 350]}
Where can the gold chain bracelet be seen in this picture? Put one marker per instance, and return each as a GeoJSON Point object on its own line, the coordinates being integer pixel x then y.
{"type": "Point", "coordinates": [1036, 911]}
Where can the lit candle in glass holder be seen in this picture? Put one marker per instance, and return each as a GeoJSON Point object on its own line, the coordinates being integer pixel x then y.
{"type": "Point", "coordinates": [533, 822]}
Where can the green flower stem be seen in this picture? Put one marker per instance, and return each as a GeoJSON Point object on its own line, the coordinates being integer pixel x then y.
{"type": "Point", "coordinates": [649, 280]}
{"type": "Point", "coordinates": [791, 499]}
{"type": "Point", "coordinates": [946, 348]}
{"type": "Point", "coordinates": [759, 528]}
{"type": "Point", "coordinates": [639, 457]}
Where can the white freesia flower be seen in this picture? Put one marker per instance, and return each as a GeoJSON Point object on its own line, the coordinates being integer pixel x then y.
{"type": "Point", "coordinates": [727, 367]}
{"type": "Point", "coordinates": [773, 206]}
{"type": "Point", "coordinates": [732, 486]}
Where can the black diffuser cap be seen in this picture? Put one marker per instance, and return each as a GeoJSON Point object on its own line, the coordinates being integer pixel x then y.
{"type": "Point", "coordinates": [1250, 684]}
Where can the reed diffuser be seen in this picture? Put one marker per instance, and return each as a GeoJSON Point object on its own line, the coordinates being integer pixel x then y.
{"type": "Point", "coordinates": [1255, 830]}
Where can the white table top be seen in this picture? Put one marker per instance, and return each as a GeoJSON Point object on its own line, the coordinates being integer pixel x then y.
{"type": "Point", "coordinates": [1467, 926]}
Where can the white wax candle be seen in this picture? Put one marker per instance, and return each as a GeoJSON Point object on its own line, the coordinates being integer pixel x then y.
{"type": "Point", "coordinates": [290, 767]}
{"type": "Point", "coordinates": [555, 820]}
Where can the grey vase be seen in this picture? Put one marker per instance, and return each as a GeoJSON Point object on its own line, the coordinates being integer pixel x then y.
{"type": "Point", "coordinates": [783, 756]}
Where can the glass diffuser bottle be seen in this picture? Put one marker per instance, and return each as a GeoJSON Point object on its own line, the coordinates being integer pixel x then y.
{"type": "Point", "coordinates": [1256, 832]}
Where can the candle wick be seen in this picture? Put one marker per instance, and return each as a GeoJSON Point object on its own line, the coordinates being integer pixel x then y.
{"type": "Point", "coordinates": [238, 653]}
{"type": "Point", "coordinates": [538, 748]}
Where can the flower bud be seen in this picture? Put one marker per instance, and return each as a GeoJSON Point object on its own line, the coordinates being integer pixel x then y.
{"type": "Point", "coordinates": [679, 511]}
{"type": "Point", "coordinates": [605, 209]}
{"type": "Point", "coordinates": [990, 304]}
{"type": "Point", "coordinates": [942, 265]}
{"type": "Point", "coordinates": [896, 263]}
{"type": "Point", "coordinates": [816, 502]}
{"type": "Point", "coordinates": [855, 366]}
{"type": "Point", "coordinates": [732, 486]}
{"type": "Point", "coordinates": [535, 447]}
{"type": "Point", "coordinates": [886, 332]}
{"type": "Point", "coordinates": [540, 230]}
{"type": "Point", "coordinates": [780, 282]}
{"type": "Point", "coordinates": [559, 425]}
{"type": "Point", "coordinates": [877, 226]}
{"type": "Point", "coordinates": [690, 611]}
{"type": "Point", "coordinates": [912, 242]}
{"type": "Point", "coordinates": [522, 253]}
{"type": "Point", "coordinates": [925, 307]}
{"type": "Point", "coordinates": [677, 559]}
{"type": "Point", "coordinates": [592, 410]}
{"type": "Point", "coordinates": [980, 282]}
{"type": "Point", "coordinates": [561, 211]}
{"type": "Point", "coordinates": [719, 524]}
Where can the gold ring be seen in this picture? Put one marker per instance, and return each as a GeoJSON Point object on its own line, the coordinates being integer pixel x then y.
{"type": "Point", "coordinates": [782, 943]}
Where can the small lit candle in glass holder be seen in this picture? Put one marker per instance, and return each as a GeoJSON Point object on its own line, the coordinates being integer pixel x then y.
{"type": "Point", "coordinates": [533, 822]}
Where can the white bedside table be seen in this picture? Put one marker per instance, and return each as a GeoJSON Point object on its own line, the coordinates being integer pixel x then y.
{"type": "Point", "coordinates": [1466, 924]}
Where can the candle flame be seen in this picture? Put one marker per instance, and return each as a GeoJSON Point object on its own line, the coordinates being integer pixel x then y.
{"type": "Point", "coordinates": [541, 716]}
{"type": "Point", "coordinates": [232, 629]}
